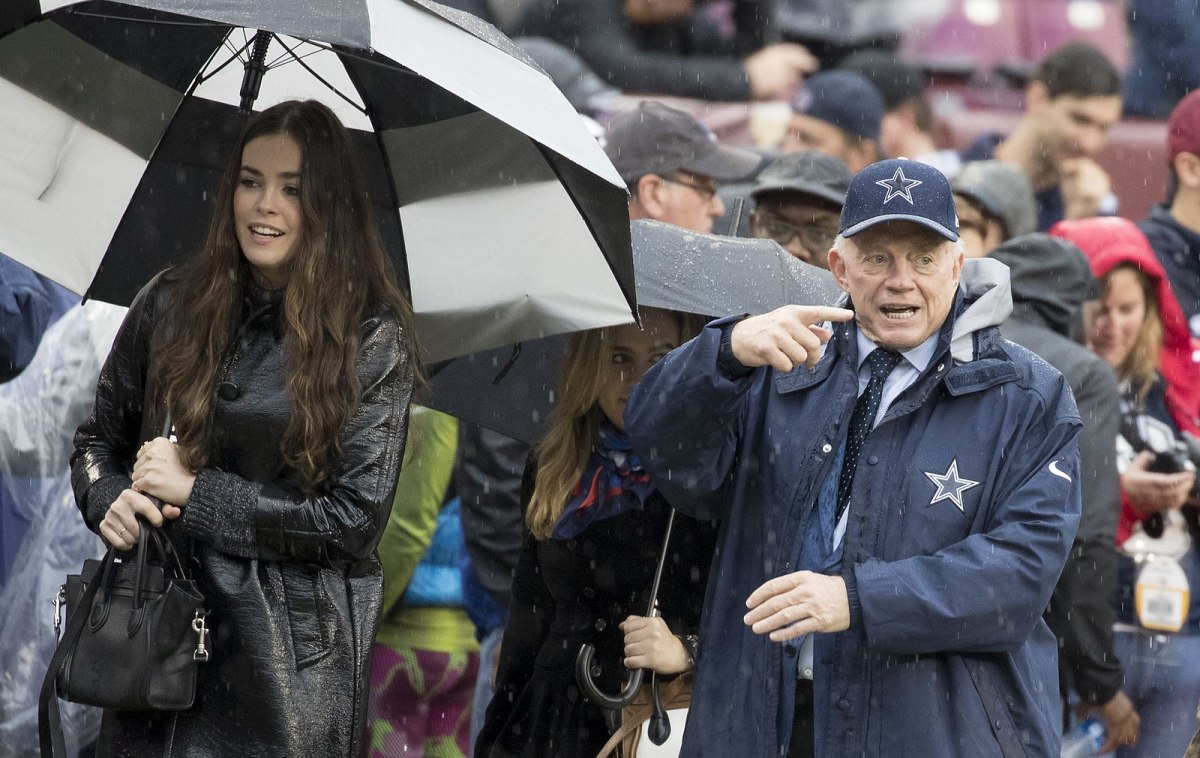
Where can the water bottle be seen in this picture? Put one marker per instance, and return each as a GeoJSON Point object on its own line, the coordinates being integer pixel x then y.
{"type": "Point", "coordinates": [1084, 740]}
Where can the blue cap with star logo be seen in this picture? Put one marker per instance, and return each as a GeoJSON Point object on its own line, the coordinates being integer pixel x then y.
{"type": "Point", "coordinates": [899, 190]}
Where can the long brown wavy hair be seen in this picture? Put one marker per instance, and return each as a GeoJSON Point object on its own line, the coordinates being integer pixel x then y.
{"type": "Point", "coordinates": [572, 426]}
{"type": "Point", "coordinates": [339, 274]}
{"type": "Point", "coordinates": [1140, 367]}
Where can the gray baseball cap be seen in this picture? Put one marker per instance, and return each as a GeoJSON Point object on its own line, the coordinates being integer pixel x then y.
{"type": "Point", "coordinates": [652, 138]}
{"type": "Point", "coordinates": [807, 172]}
{"type": "Point", "coordinates": [1004, 192]}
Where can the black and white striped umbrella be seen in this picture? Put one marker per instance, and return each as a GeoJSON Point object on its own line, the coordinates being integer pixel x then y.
{"type": "Point", "coordinates": [503, 214]}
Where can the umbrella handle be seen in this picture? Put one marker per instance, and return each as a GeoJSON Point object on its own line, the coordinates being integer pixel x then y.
{"type": "Point", "coordinates": [584, 677]}
{"type": "Point", "coordinates": [660, 725]}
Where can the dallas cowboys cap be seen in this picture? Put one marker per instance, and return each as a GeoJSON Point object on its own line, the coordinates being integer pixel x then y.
{"type": "Point", "coordinates": [899, 190]}
{"type": "Point", "coordinates": [652, 138]}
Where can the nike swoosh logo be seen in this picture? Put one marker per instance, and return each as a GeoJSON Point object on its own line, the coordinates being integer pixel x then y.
{"type": "Point", "coordinates": [1054, 469]}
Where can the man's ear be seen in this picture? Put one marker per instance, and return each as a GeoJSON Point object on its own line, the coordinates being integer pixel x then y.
{"type": "Point", "coordinates": [837, 267]}
{"type": "Point", "coordinates": [1187, 170]}
{"type": "Point", "coordinates": [647, 194]}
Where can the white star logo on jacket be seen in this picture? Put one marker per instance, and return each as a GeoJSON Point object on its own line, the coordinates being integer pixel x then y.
{"type": "Point", "coordinates": [950, 486]}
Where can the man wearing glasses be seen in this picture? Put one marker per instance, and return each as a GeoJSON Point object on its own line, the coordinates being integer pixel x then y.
{"type": "Point", "coordinates": [673, 165]}
{"type": "Point", "coordinates": [798, 200]}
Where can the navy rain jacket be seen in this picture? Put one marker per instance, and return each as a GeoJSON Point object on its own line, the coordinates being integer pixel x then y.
{"type": "Point", "coordinates": [947, 653]}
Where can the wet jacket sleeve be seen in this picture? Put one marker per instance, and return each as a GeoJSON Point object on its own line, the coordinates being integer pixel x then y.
{"type": "Point", "coordinates": [274, 521]}
{"type": "Point", "coordinates": [1081, 612]}
{"type": "Point", "coordinates": [986, 592]}
{"type": "Point", "coordinates": [107, 441]}
{"type": "Point", "coordinates": [1081, 615]}
{"type": "Point", "coordinates": [420, 492]}
{"type": "Point", "coordinates": [599, 34]}
{"type": "Point", "coordinates": [685, 419]}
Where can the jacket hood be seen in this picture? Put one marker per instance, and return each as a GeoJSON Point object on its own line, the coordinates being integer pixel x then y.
{"type": "Point", "coordinates": [1110, 241]}
{"type": "Point", "coordinates": [986, 301]}
{"type": "Point", "coordinates": [1049, 275]}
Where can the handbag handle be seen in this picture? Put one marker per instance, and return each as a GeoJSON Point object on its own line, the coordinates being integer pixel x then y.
{"type": "Point", "coordinates": [49, 719]}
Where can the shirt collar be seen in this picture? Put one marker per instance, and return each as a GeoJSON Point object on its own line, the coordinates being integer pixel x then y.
{"type": "Point", "coordinates": [918, 357]}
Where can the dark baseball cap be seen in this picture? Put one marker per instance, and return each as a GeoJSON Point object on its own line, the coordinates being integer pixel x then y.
{"type": "Point", "coordinates": [844, 99]}
{"type": "Point", "coordinates": [652, 138]}
{"type": "Point", "coordinates": [899, 190]}
{"type": "Point", "coordinates": [807, 172]}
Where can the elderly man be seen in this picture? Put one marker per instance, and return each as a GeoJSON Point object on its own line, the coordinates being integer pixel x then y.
{"type": "Point", "coordinates": [895, 505]}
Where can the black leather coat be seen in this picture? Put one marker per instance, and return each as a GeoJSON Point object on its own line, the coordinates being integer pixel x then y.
{"type": "Point", "coordinates": [292, 583]}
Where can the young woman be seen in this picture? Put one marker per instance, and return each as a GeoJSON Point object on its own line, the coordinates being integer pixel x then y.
{"type": "Point", "coordinates": [283, 352]}
{"type": "Point", "coordinates": [1138, 329]}
{"type": "Point", "coordinates": [595, 531]}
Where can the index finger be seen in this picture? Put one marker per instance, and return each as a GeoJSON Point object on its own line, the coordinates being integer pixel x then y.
{"type": "Point", "coordinates": [815, 314]}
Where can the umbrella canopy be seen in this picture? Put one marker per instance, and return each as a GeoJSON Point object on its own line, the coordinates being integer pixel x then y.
{"type": "Point", "coordinates": [512, 390]}
{"type": "Point", "coordinates": [502, 213]}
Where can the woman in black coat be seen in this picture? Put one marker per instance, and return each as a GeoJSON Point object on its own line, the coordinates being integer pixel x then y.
{"type": "Point", "coordinates": [595, 531]}
{"type": "Point", "coordinates": [289, 399]}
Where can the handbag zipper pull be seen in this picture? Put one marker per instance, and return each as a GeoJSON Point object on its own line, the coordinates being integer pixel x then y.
{"type": "Point", "coordinates": [59, 600]}
{"type": "Point", "coordinates": [201, 629]}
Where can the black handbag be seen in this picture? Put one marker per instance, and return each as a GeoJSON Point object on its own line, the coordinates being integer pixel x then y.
{"type": "Point", "coordinates": [135, 635]}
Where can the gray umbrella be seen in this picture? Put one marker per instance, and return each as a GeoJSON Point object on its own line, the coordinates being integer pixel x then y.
{"type": "Point", "coordinates": [512, 390]}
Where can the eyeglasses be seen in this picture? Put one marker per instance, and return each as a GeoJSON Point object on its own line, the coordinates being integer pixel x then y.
{"type": "Point", "coordinates": [816, 238]}
{"type": "Point", "coordinates": [705, 191]}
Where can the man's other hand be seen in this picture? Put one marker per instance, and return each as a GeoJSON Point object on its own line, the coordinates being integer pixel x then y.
{"type": "Point", "coordinates": [799, 603]}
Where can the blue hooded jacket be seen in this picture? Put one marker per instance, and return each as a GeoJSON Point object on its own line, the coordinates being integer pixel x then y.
{"type": "Point", "coordinates": [947, 653]}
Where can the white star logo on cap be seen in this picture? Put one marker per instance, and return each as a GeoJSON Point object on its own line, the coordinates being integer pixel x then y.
{"type": "Point", "coordinates": [950, 486]}
{"type": "Point", "coordinates": [899, 186]}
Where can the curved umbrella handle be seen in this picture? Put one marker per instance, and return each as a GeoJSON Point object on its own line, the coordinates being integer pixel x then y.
{"type": "Point", "coordinates": [660, 723]}
{"type": "Point", "coordinates": [583, 676]}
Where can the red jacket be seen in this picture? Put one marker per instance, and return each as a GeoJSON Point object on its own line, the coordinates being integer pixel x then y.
{"type": "Point", "coordinates": [1109, 241]}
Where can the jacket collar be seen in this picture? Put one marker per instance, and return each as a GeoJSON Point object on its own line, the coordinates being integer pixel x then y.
{"type": "Point", "coordinates": [969, 335]}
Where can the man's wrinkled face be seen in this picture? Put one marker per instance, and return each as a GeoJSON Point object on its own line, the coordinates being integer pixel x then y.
{"type": "Point", "coordinates": [1077, 127]}
{"type": "Point", "coordinates": [901, 278]}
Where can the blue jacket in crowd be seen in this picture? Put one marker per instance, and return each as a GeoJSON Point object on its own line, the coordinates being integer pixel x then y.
{"type": "Point", "coordinates": [947, 653]}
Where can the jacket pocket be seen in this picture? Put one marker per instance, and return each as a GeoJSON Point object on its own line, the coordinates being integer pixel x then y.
{"type": "Point", "coordinates": [306, 607]}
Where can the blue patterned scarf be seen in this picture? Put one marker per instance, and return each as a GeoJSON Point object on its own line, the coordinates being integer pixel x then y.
{"type": "Point", "coordinates": [613, 482]}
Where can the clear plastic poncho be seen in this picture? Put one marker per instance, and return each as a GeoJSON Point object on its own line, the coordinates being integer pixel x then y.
{"type": "Point", "coordinates": [41, 409]}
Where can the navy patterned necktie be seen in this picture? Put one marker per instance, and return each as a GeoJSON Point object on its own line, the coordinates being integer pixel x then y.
{"type": "Point", "coordinates": [881, 363]}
